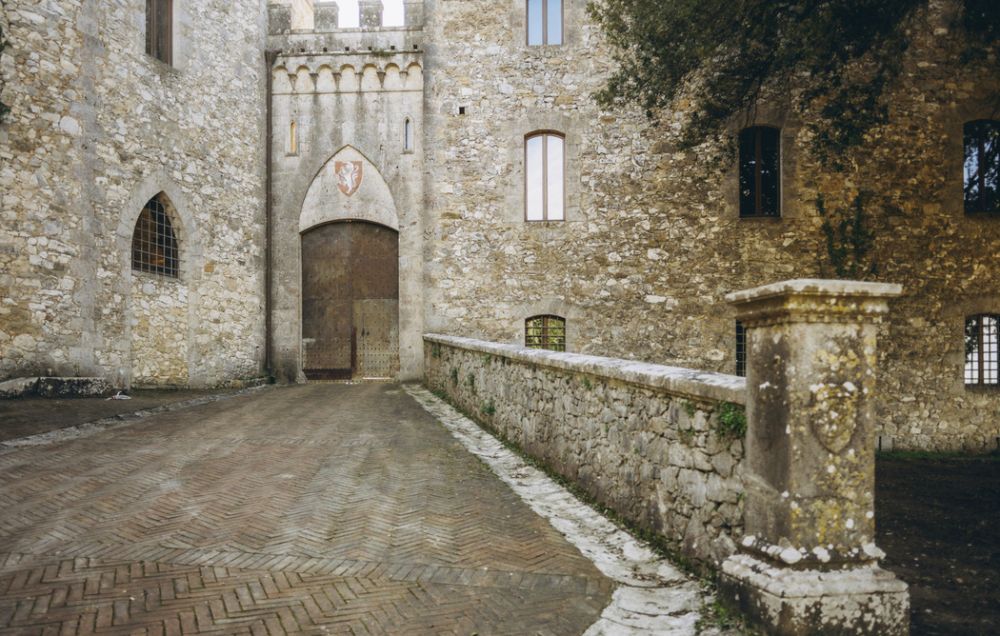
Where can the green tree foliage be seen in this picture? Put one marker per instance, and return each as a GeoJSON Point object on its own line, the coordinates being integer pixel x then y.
{"type": "Point", "coordinates": [722, 54]}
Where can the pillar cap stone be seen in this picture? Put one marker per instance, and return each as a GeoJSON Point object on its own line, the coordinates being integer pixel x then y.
{"type": "Point", "coordinates": [814, 300]}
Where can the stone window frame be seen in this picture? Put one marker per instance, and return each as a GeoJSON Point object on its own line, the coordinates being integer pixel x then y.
{"type": "Point", "coordinates": [770, 116]}
{"type": "Point", "coordinates": [988, 214]}
{"type": "Point", "coordinates": [573, 14]}
{"type": "Point", "coordinates": [539, 121]}
{"type": "Point", "coordinates": [185, 230]}
{"type": "Point", "coordinates": [545, 135]}
{"type": "Point", "coordinates": [547, 306]}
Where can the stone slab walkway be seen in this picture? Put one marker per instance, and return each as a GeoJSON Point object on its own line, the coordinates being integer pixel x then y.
{"type": "Point", "coordinates": [320, 509]}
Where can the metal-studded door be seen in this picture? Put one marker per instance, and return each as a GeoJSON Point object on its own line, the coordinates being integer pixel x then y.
{"type": "Point", "coordinates": [350, 301]}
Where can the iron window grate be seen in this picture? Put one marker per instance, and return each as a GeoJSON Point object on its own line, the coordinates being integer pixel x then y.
{"type": "Point", "coordinates": [545, 332]}
{"type": "Point", "coordinates": [982, 350]}
{"type": "Point", "coordinates": [154, 245]}
{"type": "Point", "coordinates": [741, 350]}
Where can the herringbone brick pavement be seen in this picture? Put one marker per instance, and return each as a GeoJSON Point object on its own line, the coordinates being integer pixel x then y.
{"type": "Point", "coordinates": [326, 509]}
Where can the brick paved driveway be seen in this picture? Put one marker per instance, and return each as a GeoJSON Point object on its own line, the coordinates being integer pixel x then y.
{"type": "Point", "coordinates": [315, 509]}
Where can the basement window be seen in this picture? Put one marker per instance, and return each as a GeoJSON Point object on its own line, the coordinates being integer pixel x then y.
{"type": "Point", "coordinates": [160, 30]}
{"type": "Point", "coordinates": [982, 350]}
{"type": "Point", "coordinates": [154, 244]}
{"type": "Point", "coordinates": [545, 22]}
{"type": "Point", "coordinates": [760, 172]}
{"type": "Point", "coordinates": [982, 167]}
{"type": "Point", "coordinates": [545, 332]}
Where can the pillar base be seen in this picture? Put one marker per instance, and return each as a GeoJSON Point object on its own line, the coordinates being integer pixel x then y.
{"type": "Point", "coordinates": [864, 599]}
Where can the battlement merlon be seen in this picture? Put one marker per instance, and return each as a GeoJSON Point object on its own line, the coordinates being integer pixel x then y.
{"type": "Point", "coordinates": [309, 16]}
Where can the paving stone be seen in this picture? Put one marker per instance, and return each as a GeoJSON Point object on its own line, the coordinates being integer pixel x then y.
{"type": "Point", "coordinates": [312, 509]}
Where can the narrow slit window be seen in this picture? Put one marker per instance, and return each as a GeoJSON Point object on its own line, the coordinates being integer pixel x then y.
{"type": "Point", "coordinates": [154, 244]}
{"type": "Point", "coordinates": [741, 350]}
{"type": "Point", "coordinates": [408, 135]}
{"type": "Point", "coordinates": [159, 29]}
{"type": "Point", "coordinates": [545, 22]}
{"type": "Point", "coordinates": [982, 167]}
{"type": "Point", "coordinates": [760, 172]}
{"type": "Point", "coordinates": [545, 168]}
{"type": "Point", "coordinates": [982, 350]}
{"type": "Point", "coordinates": [293, 139]}
{"type": "Point", "coordinates": [545, 332]}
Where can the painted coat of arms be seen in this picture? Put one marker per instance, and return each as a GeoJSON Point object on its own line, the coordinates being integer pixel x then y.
{"type": "Point", "coordinates": [349, 176]}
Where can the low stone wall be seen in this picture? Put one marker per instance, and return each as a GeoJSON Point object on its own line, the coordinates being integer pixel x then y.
{"type": "Point", "coordinates": [645, 440]}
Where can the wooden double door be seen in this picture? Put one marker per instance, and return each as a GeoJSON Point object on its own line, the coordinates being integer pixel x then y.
{"type": "Point", "coordinates": [350, 301]}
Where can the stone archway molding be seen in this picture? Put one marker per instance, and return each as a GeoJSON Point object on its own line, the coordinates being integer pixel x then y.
{"type": "Point", "coordinates": [188, 234]}
{"type": "Point", "coordinates": [326, 201]}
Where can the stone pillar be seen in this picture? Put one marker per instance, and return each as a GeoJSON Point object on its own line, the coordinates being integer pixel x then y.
{"type": "Point", "coordinates": [371, 13]}
{"type": "Point", "coordinates": [326, 16]}
{"type": "Point", "coordinates": [808, 563]}
{"type": "Point", "coordinates": [413, 13]}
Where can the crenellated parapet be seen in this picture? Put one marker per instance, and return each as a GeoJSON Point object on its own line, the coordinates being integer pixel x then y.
{"type": "Point", "coordinates": [286, 17]}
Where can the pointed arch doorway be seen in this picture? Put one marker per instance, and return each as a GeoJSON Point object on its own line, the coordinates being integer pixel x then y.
{"type": "Point", "coordinates": [350, 301]}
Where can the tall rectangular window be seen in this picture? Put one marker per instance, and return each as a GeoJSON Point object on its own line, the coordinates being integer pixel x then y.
{"type": "Point", "coordinates": [982, 167]}
{"type": "Point", "coordinates": [760, 172]}
{"type": "Point", "coordinates": [544, 165]}
{"type": "Point", "coordinates": [982, 350]}
{"type": "Point", "coordinates": [159, 29]}
{"type": "Point", "coordinates": [545, 22]}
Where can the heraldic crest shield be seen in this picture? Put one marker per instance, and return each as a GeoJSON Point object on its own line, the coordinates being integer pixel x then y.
{"type": "Point", "coordinates": [349, 176]}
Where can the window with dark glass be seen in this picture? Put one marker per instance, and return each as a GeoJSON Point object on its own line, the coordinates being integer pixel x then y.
{"type": "Point", "coordinates": [545, 22]}
{"type": "Point", "coordinates": [545, 332]}
{"type": "Point", "coordinates": [154, 245]}
{"type": "Point", "coordinates": [159, 29]}
{"type": "Point", "coordinates": [544, 169]}
{"type": "Point", "coordinates": [741, 350]}
{"type": "Point", "coordinates": [982, 350]}
{"type": "Point", "coordinates": [760, 172]}
{"type": "Point", "coordinates": [982, 167]}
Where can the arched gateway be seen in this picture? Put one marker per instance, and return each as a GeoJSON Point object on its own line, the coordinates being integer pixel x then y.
{"type": "Point", "coordinates": [350, 273]}
{"type": "Point", "coordinates": [350, 301]}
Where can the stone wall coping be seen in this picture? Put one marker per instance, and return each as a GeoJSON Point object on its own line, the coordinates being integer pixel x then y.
{"type": "Point", "coordinates": [817, 287]}
{"type": "Point", "coordinates": [704, 385]}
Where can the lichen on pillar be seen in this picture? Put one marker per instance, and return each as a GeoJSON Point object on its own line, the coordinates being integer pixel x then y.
{"type": "Point", "coordinates": [808, 563]}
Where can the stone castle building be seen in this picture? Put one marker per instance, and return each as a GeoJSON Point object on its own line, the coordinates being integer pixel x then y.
{"type": "Point", "coordinates": [197, 193]}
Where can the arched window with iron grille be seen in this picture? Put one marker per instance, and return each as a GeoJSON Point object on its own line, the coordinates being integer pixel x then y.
{"type": "Point", "coordinates": [154, 244]}
{"type": "Point", "coordinates": [545, 332]}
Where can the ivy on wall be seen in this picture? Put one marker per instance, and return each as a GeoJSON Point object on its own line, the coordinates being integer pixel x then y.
{"type": "Point", "coordinates": [838, 55]}
{"type": "Point", "coordinates": [848, 238]}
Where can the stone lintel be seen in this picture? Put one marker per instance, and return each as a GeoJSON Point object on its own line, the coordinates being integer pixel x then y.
{"type": "Point", "coordinates": [814, 300]}
{"type": "Point", "coordinates": [793, 602]}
